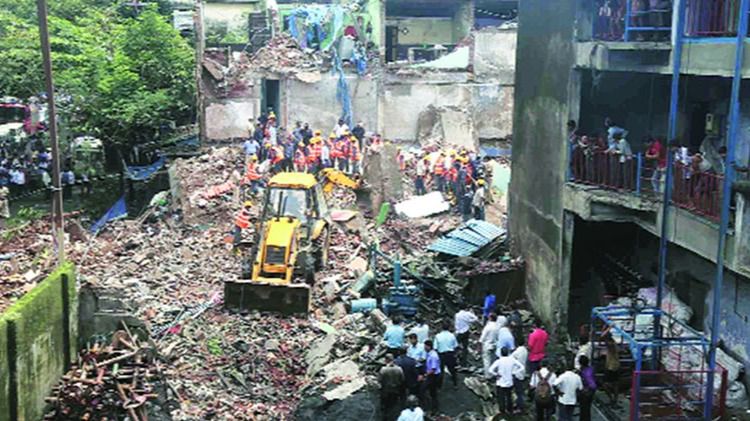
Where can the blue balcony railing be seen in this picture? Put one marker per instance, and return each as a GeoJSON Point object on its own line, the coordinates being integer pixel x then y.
{"type": "Point", "coordinates": [633, 20]}
{"type": "Point", "coordinates": [644, 20]}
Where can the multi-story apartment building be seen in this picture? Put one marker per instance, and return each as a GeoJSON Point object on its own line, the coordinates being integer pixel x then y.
{"type": "Point", "coordinates": [589, 224]}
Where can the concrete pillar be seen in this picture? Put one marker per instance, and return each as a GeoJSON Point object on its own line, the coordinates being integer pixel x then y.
{"type": "Point", "coordinates": [566, 261]}
{"type": "Point", "coordinates": [463, 20]}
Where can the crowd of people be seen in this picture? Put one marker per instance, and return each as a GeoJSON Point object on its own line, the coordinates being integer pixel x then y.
{"type": "Point", "coordinates": [607, 159]}
{"type": "Point", "coordinates": [611, 14]}
{"type": "Point", "coordinates": [302, 149]}
{"type": "Point", "coordinates": [514, 360]}
{"type": "Point", "coordinates": [457, 172]}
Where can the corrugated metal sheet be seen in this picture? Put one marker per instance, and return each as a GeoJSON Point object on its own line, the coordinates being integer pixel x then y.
{"type": "Point", "coordinates": [467, 239]}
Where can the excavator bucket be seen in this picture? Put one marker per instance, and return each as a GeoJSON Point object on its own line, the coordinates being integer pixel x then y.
{"type": "Point", "coordinates": [246, 295]}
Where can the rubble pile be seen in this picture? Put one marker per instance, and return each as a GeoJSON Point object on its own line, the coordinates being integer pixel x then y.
{"type": "Point", "coordinates": [283, 55]}
{"type": "Point", "coordinates": [27, 256]}
{"type": "Point", "coordinates": [108, 380]}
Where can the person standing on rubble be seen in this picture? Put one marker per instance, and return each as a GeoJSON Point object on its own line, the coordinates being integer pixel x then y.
{"type": "Point", "coordinates": [340, 129]}
{"type": "Point", "coordinates": [489, 304]}
{"type": "Point", "coordinates": [307, 134]}
{"type": "Point", "coordinates": [359, 132]}
{"type": "Point", "coordinates": [568, 385]}
{"type": "Point", "coordinates": [505, 369]}
{"type": "Point", "coordinates": [325, 153]}
{"type": "Point", "coordinates": [586, 397]}
{"type": "Point", "coordinates": [505, 339]}
{"type": "Point", "coordinates": [271, 130]}
{"type": "Point", "coordinates": [521, 354]}
{"type": "Point", "coordinates": [391, 379]}
{"type": "Point", "coordinates": [315, 149]}
{"type": "Point", "coordinates": [289, 147]}
{"type": "Point", "coordinates": [355, 155]}
{"type": "Point", "coordinates": [421, 173]}
{"type": "Point", "coordinates": [541, 389]}
{"type": "Point", "coordinates": [537, 344]}
{"type": "Point", "coordinates": [445, 345]}
{"type": "Point", "coordinates": [412, 412]}
{"type": "Point", "coordinates": [488, 340]}
{"type": "Point", "coordinates": [433, 376]}
{"type": "Point", "coordinates": [394, 337]}
{"type": "Point", "coordinates": [300, 159]}
{"type": "Point", "coordinates": [463, 321]}
{"type": "Point", "coordinates": [251, 147]}
{"type": "Point", "coordinates": [439, 172]}
{"type": "Point", "coordinates": [422, 329]}
{"type": "Point", "coordinates": [478, 201]}
{"type": "Point", "coordinates": [411, 373]}
{"type": "Point", "coordinates": [251, 174]}
{"type": "Point", "coordinates": [241, 221]}
{"type": "Point", "coordinates": [415, 351]}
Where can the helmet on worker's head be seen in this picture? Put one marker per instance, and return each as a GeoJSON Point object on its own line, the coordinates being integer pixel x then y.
{"type": "Point", "coordinates": [318, 132]}
{"type": "Point", "coordinates": [247, 203]}
{"type": "Point", "coordinates": [272, 115]}
{"type": "Point", "coordinates": [480, 182]}
{"type": "Point", "coordinates": [253, 158]}
{"type": "Point", "coordinates": [452, 152]}
{"type": "Point", "coordinates": [332, 136]}
{"type": "Point", "coordinates": [301, 144]}
{"type": "Point", "coordinates": [347, 133]}
{"type": "Point", "coordinates": [267, 144]}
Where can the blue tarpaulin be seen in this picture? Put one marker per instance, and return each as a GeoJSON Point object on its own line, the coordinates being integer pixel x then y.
{"type": "Point", "coordinates": [342, 91]}
{"type": "Point", "coordinates": [140, 173]}
{"type": "Point", "coordinates": [118, 210]}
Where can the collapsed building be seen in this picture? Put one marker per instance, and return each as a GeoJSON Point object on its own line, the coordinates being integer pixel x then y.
{"type": "Point", "coordinates": [409, 70]}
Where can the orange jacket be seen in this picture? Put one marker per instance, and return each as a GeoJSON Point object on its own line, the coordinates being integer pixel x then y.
{"type": "Point", "coordinates": [252, 173]}
{"type": "Point", "coordinates": [242, 219]}
{"type": "Point", "coordinates": [278, 154]}
{"type": "Point", "coordinates": [354, 152]}
{"type": "Point", "coordinates": [439, 166]}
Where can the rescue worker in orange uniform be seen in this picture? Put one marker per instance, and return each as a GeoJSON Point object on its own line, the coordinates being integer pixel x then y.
{"type": "Point", "coordinates": [277, 157]}
{"type": "Point", "coordinates": [335, 150]}
{"type": "Point", "coordinates": [241, 222]}
{"type": "Point", "coordinates": [315, 148]}
{"type": "Point", "coordinates": [439, 172]}
{"type": "Point", "coordinates": [355, 155]}
{"type": "Point", "coordinates": [251, 174]}
{"type": "Point", "coordinates": [344, 152]}
{"type": "Point", "coordinates": [300, 159]}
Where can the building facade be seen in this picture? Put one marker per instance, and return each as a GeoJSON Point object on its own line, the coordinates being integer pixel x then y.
{"type": "Point", "coordinates": [589, 225]}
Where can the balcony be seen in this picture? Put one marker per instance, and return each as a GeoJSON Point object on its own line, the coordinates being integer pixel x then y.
{"type": "Point", "coordinates": [696, 191]}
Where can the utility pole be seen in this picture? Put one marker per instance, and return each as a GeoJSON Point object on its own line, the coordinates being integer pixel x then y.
{"type": "Point", "coordinates": [57, 193]}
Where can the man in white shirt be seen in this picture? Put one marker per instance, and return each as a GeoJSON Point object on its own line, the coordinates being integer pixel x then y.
{"type": "Point", "coordinates": [340, 129]}
{"type": "Point", "coordinates": [463, 321]}
{"type": "Point", "coordinates": [583, 349]}
{"type": "Point", "coordinates": [504, 370]}
{"type": "Point", "coordinates": [422, 330]}
{"type": "Point", "coordinates": [521, 354]}
{"type": "Point", "coordinates": [445, 345]}
{"type": "Point", "coordinates": [568, 385]}
{"type": "Point", "coordinates": [487, 339]}
{"type": "Point", "coordinates": [412, 412]}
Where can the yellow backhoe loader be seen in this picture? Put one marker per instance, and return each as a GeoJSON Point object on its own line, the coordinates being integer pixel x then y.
{"type": "Point", "coordinates": [291, 243]}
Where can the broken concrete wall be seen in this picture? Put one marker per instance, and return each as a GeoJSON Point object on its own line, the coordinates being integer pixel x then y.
{"type": "Point", "coordinates": [445, 126]}
{"type": "Point", "coordinates": [228, 119]}
{"type": "Point", "coordinates": [488, 107]}
{"type": "Point", "coordinates": [316, 103]}
{"type": "Point", "coordinates": [382, 176]}
{"type": "Point", "coordinates": [495, 55]}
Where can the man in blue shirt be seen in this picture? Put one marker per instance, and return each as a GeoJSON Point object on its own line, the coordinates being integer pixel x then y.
{"type": "Point", "coordinates": [432, 377]}
{"type": "Point", "coordinates": [415, 351]}
{"type": "Point", "coordinates": [445, 345]}
{"type": "Point", "coordinates": [394, 337]}
{"type": "Point", "coordinates": [251, 147]}
{"type": "Point", "coordinates": [505, 340]}
{"type": "Point", "coordinates": [489, 304]}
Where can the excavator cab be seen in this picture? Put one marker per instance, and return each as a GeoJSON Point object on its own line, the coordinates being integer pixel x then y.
{"type": "Point", "coordinates": [291, 243]}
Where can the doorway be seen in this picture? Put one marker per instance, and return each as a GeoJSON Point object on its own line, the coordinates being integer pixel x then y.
{"type": "Point", "coordinates": [271, 96]}
{"type": "Point", "coordinates": [391, 43]}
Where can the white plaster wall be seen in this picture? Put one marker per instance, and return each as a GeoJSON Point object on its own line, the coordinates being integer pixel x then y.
{"type": "Point", "coordinates": [226, 120]}
{"type": "Point", "coordinates": [495, 55]}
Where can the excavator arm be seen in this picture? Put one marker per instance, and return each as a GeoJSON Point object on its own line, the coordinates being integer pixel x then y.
{"type": "Point", "coordinates": [331, 177]}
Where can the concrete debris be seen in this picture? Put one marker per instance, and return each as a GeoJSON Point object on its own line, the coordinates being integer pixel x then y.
{"type": "Point", "coordinates": [282, 55]}
{"type": "Point", "coordinates": [422, 206]}
{"type": "Point", "coordinates": [440, 125]}
{"type": "Point", "coordinates": [345, 390]}
{"type": "Point", "coordinates": [457, 59]}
